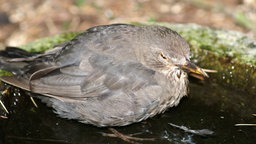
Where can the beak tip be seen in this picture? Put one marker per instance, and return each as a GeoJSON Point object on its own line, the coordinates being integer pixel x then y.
{"type": "Point", "coordinates": [195, 71]}
{"type": "Point", "coordinates": [203, 73]}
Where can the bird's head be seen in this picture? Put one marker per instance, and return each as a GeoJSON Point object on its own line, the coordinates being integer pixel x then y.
{"type": "Point", "coordinates": [168, 51]}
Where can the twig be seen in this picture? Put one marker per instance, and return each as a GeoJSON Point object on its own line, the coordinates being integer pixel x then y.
{"type": "Point", "coordinates": [202, 132]}
{"type": "Point", "coordinates": [245, 124]}
{"type": "Point", "coordinates": [127, 138]}
{"type": "Point", "coordinates": [33, 101]}
{"type": "Point", "coordinates": [42, 140]}
{"type": "Point", "coordinates": [3, 106]}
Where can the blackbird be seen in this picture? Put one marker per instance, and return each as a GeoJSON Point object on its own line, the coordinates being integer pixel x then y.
{"type": "Point", "coordinates": [109, 75]}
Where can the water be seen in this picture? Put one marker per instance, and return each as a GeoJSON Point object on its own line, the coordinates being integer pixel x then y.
{"type": "Point", "coordinates": [209, 106]}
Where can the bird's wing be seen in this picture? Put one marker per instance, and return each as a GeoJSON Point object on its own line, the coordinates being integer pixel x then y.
{"type": "Point", "coordinates": [95, 76]}
{"type": "Point", "coordinates": [116, 76]}
{"type": "Point", "coordinates": [89, 65]}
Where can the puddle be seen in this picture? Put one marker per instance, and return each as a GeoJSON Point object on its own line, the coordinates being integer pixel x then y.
{"type": "Point", "coordinates": [208, 106]}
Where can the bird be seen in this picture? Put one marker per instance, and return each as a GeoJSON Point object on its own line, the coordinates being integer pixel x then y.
{"type": "Point", "coordinates": [108, 75]}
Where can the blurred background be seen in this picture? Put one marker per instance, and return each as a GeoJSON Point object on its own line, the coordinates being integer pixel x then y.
{"type": "Point", "coordinates": [22, 21]}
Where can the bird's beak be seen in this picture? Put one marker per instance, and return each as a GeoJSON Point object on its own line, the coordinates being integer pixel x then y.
{"type": "Point", "coordinates": [194, 70]}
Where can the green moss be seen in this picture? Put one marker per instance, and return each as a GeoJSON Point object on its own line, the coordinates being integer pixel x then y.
{"type": "Point", "coordinates": [80, 3]}
{"type": "Point", "coordinates": [5, 73]}
{"type": "Point", "coordinates": [46, 43]}
{"type": "Point", "coordinates": [231, 73]}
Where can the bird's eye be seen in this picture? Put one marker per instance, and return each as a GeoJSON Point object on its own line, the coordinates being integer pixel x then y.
{"type": "Point", "coordinates": [163, 56]}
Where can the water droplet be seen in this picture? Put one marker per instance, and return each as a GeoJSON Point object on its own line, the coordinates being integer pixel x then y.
{"type": "Point", "coordinates": [230, 73]}
{"type": "Point", "coordinates": [195, 61]}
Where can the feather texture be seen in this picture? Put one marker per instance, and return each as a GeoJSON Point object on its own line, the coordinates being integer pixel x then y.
{"type": "Point", "coordinates": [107, 76]}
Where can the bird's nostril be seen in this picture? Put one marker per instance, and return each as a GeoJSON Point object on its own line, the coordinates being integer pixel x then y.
{"type": "Point", "coordinates": [179, 74]}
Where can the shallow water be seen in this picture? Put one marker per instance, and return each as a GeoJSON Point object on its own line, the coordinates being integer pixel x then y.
{"type": "Point", "coordinates": [208, 106]}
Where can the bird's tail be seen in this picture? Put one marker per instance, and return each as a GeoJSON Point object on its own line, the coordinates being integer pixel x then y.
{"type": "Point", "coordinates": [25, 66]}
{"type": "Point", "coordinates": [14, 59]}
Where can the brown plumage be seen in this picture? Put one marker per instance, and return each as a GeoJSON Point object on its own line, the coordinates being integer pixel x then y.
{"type": "Point", "coordinates": [110, 75]}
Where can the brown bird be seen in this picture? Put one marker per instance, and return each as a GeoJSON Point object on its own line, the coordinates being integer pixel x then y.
{"type": "Point", "coordinates": [110, 75]}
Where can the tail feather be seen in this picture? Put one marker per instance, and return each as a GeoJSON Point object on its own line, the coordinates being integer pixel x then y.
{"type": "Point", "coordinates": [19, 61]}
{"type": "Point", "coordinates": [14, 52]}
{"type": "Point", "coordinates": [11, 53]}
